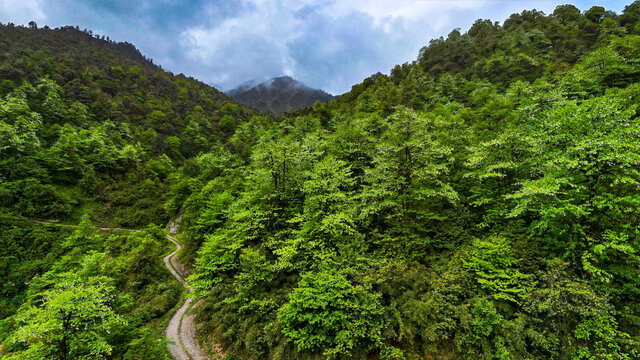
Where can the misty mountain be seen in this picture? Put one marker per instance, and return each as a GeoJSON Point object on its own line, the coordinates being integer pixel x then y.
{"type": "Point", "coordinates": [278, 95]}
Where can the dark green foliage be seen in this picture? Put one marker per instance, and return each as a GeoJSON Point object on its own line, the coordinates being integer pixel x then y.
{"type": "Point", "coordinates": [29, 251]}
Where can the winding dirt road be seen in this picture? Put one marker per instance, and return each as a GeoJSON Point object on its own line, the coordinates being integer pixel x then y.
{"type": "Point", "coordinates": [181, 329]}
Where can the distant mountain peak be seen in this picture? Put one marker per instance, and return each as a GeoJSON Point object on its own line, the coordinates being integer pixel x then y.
{"type": "Point", "coordinates": [277, 95]}
{"type": "Point", "coordinates": [247, 85]}
{"type": "Point", "coordinates": [286, 80]}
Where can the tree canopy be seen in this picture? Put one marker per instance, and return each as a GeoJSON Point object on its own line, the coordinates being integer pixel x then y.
{"type": "Point", "coordinates": [480, 202]}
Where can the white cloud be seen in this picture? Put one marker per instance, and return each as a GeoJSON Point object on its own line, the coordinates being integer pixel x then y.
{"type": "Point", "coordinates": [269, 23]}
{"type": "Point", "coordinates": [271, 37]}
{"type": "Point", "coordinates": [331, 44]}
{"type": "Point", "coordinates": [412, 10]}
{"type": "Point", "coordinates": [21, 11]}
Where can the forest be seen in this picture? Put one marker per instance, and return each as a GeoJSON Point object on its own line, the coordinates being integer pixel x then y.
{"type": "Point", "coordinates": [480, 202]}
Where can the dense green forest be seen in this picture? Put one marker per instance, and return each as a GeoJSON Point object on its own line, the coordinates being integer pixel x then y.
{"type": "Point", "coordinates": [92, 132]}
{"type": "Point", "coordinates": [480, 202]}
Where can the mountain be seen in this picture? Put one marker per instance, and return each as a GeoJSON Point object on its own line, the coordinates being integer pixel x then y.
{"type": "Point", "coordinates": [278, 95]}
{"type": "Point", "coordinates": [245, 86]}
{"type": "Point", "coordinates": [92, 136]}
{"type": "Point", "coordinates": [479, 202]}
{"type": "Point", "coordinates": [108, 92]}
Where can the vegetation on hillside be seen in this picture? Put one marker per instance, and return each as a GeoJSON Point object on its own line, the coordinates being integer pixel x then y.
{"type": "Point", "coordinates": [480, 202]}
{"type": "Point", "coordinates": [90, 129]}
{"type": "Point", "coordinates": [278, 96]}
{"type": "Point", "coordinates": [94, 295]}
{"type": "Point", "coordinates": [86, 129]}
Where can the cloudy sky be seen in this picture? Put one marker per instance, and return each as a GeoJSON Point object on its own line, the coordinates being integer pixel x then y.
{"type": "Point", "coordinates": [328, 44]}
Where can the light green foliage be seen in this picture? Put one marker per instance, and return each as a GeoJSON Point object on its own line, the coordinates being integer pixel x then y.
{"type": "Point", "coordinates": [71, 320]}
{"type": "Point", "coordinates": [91, 132]}
{"type": "Point", "coordinates": [409, 183]}
{"type": "Point", "coordinates": [215, 258]}
{"type": "Point", "coordinates": [483, 328]}
{"type": "Point", "coordinates": [327, 222]}
{"type": "Point", "coordinates": [587, 170]}
{"type": "Point", "coordinates": [98, 300]}
{"type": "Point", "coordinates": [496, 270]}
{"type": "Point", "coordinates": [79, 121]}
{"type": "Point", "coordinates": [473, 212]}
{"type": "Point", "coordinates": [412, 157]}
{"type": "Point", "coordinates": [19, 125]}
{"type": "Point", "coordinates": [610, 66]}
{"type": "Point", "coordinates": [84, 237]}
{"type": "Point", "coordinates": [326, 312]}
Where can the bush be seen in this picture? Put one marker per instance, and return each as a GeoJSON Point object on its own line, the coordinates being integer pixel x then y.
{"type": "Point", "coordinates": [329, 314]}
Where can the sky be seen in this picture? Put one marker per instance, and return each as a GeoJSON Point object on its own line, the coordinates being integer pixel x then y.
{"type": "Point", "coordinates": [327, 44]}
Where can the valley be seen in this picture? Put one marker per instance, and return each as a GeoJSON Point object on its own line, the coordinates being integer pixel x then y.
{"type": "Point", "coordinates": [480, 201]}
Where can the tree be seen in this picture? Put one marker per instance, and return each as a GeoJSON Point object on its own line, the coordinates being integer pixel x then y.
{"type": "Point", "coordinates": [496, 270]}
{"type": "Point", "coordinates": [567, 13]}
{"type": "Point", "coordinates": [408, 183]}
{"type": "Point", "coordinates": [595, 14]}
{"type": "Point", "coordinates": [71, 321]}
{"type": "Point", "coordinates": [19, 125]}
{"type": "Point", "coordinates": [85, 237]}
{"type": "Point", "coordinates": [586, 168]}
{"type": "Point", "coordinates": [328, 314]}
{"type": "Point", "coordinates": [327, 224]}
{"type": "Point", "coordinates": [601, 69]}
{"type": "Point", "coordinates": [574, 321]}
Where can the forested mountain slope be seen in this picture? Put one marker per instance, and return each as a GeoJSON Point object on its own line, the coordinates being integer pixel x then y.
{"type": "Point", "coordinates": [480, 202]}
{"type": "Point", "coordinates": [278, 95]}
{"type": "Point", "coordinates": [85, 126]}
{"type": "Point", "coordinates": [91, 130]}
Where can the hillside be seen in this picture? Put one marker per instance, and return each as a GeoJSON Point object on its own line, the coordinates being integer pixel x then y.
{"type": "Point", "coordinates": [90, 118]}
{"type": "Point", "coordinates": [92, 133]}
{"type": "Point", "coordinates": [278, 95]}
{"type": "Point", "coordinates": [479, 202]}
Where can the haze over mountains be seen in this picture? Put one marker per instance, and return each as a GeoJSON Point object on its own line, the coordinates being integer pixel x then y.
{"type": "Point", "coordinates": [278, 95]}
